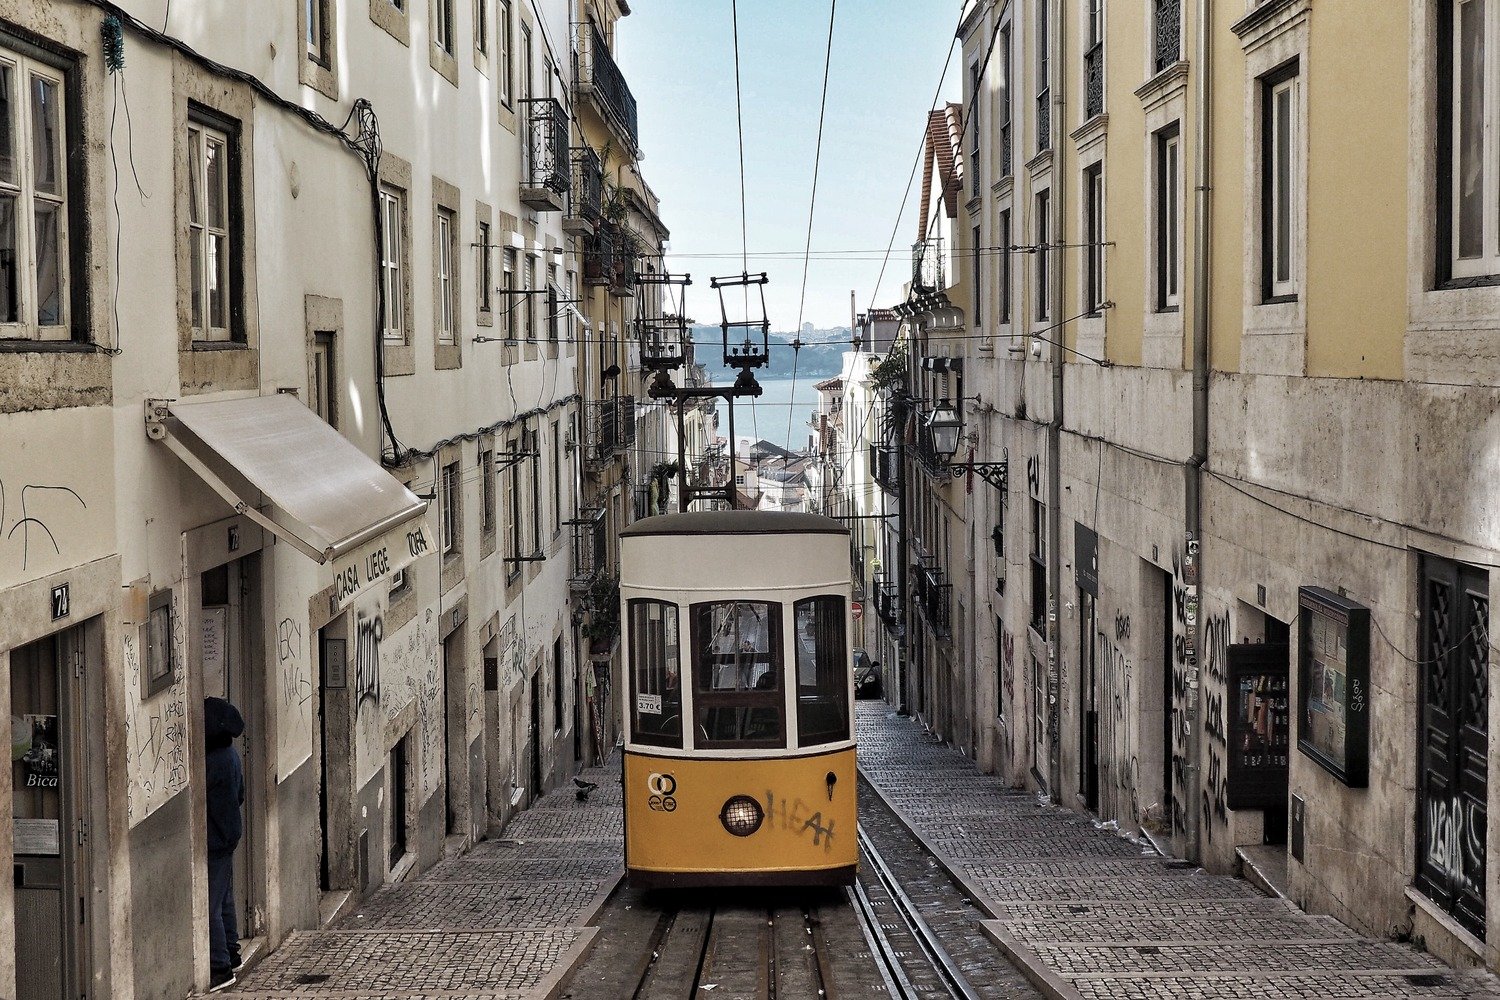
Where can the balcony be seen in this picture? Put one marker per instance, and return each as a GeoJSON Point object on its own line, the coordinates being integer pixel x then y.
{"type": "Point", "coordinates": [934, 600]}
{"type": "Point", "coordinates": [888, 603]}
{"type": "Point", "coordinates": [622, 271]}
{"type": "Point", "coordinates": [585, 193]}
{"type": "Point", "coordinates": [1044, 120]}
{"type": "Point", "coordinates": [589, 541]}
{"type": "Point", "coordinates": [602, 432]}
{"type": "Point", "coordinates": [1093, 81]}
{"type": "Point", "coordinates": [885, 466]}
{"type": "Point", "coordinates": [933, 462]}
{"type": "Point", "coordinates": [599, 251]}
{"type": "Point", "coordinates": [1168, 47]}
{"type": "Point", "coordinates": [928, 273]}
{"type": "Point", "coordinates": [601, 81]}
{"type": "Point", "coordinates": [547, 172]}
{"type": "Point", "coordinates": [627, 421]}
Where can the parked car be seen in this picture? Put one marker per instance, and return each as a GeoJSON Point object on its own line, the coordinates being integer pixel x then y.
{"type": "Point", "coordinates": [866, 676]}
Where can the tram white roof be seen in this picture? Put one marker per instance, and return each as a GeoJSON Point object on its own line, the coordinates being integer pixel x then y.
{"type": "Point", "coordinates": [736, 522]}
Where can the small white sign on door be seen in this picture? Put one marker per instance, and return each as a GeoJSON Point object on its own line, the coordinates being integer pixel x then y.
{"type": "Point", "coordinates": [648, 704]}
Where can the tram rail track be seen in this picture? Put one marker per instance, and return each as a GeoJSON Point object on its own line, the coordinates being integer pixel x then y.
{"type": "Point", "coordinates": [699, 948]}
{"type": "Point", "coordinates": [885, 951]}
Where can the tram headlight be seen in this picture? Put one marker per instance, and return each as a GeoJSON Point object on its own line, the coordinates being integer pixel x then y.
{"type": "Point", "coordinates": [741, 815]}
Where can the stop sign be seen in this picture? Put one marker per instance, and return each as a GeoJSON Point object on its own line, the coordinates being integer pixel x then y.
{"type": "Point", "coordinates": [858, 609]}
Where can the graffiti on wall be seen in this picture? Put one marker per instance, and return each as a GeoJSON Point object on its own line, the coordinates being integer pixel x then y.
{"type": "Point", "coordinates": [155, 728]}
{"type": "Point", "coordinates": [1455, 839]}
{"type": "Point", "coordinates": [1184, 615]}
{"type": "Point", "coordinates": [25, 516]}
{"type": "Point", "coordinates": [1118, 738]}
{"type": "Point", "coordinates": [1215, 797]}
{"type": "Point", "coordinates": [368, 631]}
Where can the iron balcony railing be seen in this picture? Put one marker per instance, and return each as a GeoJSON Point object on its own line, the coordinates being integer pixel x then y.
{"type": "Point", "coordinates": [548, 166]}
{"type": "Point", "coordinates": [885, 466]}
{"type": "Point", "coordinates": [599, 252]}
{"type": "Point", "coordinates": [887, 601]}
{"type": "Point", "coordinates": [1093, 79]}
{"type": "Point", "coordinates": [1168, 33]}
{"type": "Point", "coordinates": [1044, 120]}
{"type": "Point", "coordinates": [934, 599]}
{"type": "Point", "coordinates": [586, 192]}
{"type": "Point", "coordinates": [599, 76]}
{"type": "Point", "coordinates": [622, 272]}
{"type": "Point", "coordinates": [588, 548]}
{"type": "Point", "coordinates": [603, 438]}
{"type": "Point", "coordinates": [627, 421]}
{"type": "Point", "coordinates": [927, 265]}
{"type": "Point", "coordinates": [933, 461]}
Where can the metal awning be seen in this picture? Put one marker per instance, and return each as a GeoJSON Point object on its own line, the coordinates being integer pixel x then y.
{"type": "Point", "coordinates": [276, 462]}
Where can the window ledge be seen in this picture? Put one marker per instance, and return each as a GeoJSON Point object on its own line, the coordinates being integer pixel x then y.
{"type": "Point", "coordinates": [1276, 300]}
{"type": "Point", "coordinates": [1269, 19]}
{"type": "Point", "coordinates": [26, 346]}
{"type": "Point", "coordinates": [1090, 131]}
{"type": "Point", "coordinates": [220, 345]}
{"type": "Point", "coordinates": [1464, 938]}
{"type": "Point", "coordinates": [1165, 85]}
{"type": "Point", "coordinates": [391, 20]}
{"type": "Point", "coordinates": [1040, 162]}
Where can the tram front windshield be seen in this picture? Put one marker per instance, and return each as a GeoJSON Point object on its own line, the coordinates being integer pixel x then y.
{"type": "Point", "coordinates": [737, 681]}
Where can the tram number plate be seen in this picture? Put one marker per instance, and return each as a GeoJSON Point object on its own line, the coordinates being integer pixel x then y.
{"type": "Point", "coordinates": [648, 704]}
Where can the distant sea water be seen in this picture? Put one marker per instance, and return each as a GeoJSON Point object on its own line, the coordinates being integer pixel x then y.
{"type": "Point", "coordinates": [783, 404]}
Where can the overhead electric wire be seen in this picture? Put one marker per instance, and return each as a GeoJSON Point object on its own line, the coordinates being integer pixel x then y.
{"type": "Point", "coordinates": [812, 205]}
{"type": "Point", "coordinates": [739, 126]}
{"type": "Point", "coordinates": [917, 163]}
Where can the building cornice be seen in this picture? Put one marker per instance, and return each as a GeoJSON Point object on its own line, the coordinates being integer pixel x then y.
{"type": "Point", "coordinates": [1269, 19]}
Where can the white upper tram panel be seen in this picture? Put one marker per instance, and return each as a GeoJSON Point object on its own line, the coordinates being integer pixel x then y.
{"type": "Point", "coordinates": [735, 550]}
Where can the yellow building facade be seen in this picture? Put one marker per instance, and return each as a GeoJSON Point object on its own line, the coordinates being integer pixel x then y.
{"type": "Point", "coordinates": [1222, 299]}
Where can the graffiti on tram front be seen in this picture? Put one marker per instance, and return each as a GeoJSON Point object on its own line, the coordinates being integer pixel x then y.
{"type": "Point", "coordinates": [796, 818]}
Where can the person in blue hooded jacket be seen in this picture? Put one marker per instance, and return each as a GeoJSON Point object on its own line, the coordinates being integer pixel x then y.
{"type": "Point", "coordinates": [222, 723]}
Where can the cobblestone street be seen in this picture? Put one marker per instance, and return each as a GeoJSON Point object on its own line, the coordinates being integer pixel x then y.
{"type": "Point", "coordinates": [1090, 914]}
{"type": "Point", "coordinates": [503, 922]}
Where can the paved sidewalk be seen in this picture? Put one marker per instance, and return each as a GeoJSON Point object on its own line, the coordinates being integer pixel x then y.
{"type": "Point", "coordinates": [1090, 915]}
{"type": "Point", "coordinates": [506, 921]}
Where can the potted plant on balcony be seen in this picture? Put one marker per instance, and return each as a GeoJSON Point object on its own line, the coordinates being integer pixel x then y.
{"type": "Point", "coordinates": [603, 626]}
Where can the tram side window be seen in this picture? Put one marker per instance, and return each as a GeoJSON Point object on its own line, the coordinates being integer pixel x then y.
{"type": "Point", "coordinates": [737, 692]}
{"type": "Point", "coordinates": [657, 716]}
{"type": "Point", "coordinates": [822, 671]}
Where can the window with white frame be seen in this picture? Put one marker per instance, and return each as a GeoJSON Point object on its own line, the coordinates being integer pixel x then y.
{"type": "Point", "coordinates": [534, 448]}
{"type": "Point", "coordinates": [1003, 231]}
{"type": "Point", "coordinates": [392, 221]}
{"type": "Point", "coordinates": [1003, 99]}
{"type": "Point", "coordinates": [505, 47]}
{"type": "Point", "coordinates": [528, 283]}
{"type": "Point", "coordinates": [442, 24]}
{"type": "Point", "coordinates": [34, 234]}
{"type": "Point", "coordinates": [1042, 226]}
{"type": "Point", "coordinates": [974, 127]}
{"type": "Point", "coordinates": [513, 508]}
{"type": "Point", "coordinates": [486, 279]}
{"type": "Point", "coordinates": [450, 501]}
{"type": "Point", "coordinates": [511, 301]}
{"type": "Point", "coordinates": [482, 26]}
{"type": "Point", "coordinates": [554, 308]}
{"type": "Point", "coordinates": [977, 275]}
{"type": "Point", "coordinates": [317, 31]}
{"type": "Point", "coordinates": [1469, 144]}
{"type": "Point", "coordinates": [1167, 219]}
{"type": "Point", "coordinates": [1280, 182]}
{"type": "Point", "coordinates": [209, 231]}
{"type": "Point", "coordinates": [487, 491]}
{"type": "Point", "coordinates": [557, 470]}
{"type": "Point", "coordinates": [447, 317]}
{"type": "Point", "coordinates": [1093, 239]}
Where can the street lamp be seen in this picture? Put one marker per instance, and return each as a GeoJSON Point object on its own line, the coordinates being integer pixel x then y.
{"type": "Point", "coordinates": [944, 425]}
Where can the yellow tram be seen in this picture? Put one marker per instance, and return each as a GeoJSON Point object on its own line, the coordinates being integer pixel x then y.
{"type": "Point", "coordinates": [739, 740]}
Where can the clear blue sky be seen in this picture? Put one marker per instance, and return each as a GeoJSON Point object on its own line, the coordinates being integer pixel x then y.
{"type": "Point", "coordinates": [678, 58]}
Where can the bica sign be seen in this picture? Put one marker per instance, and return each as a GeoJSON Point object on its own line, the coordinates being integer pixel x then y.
{"type": "Point", "coordinates": [356, 571]}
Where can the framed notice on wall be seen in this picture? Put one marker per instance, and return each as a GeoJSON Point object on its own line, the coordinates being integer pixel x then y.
{"type": "Point", "coordinates": [1333, 700]}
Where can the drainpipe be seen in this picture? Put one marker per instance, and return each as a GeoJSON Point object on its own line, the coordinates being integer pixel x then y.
{"type": "Point", "coordinates": [1202, 155]}
{"type": "Point", "coordinates": [1054, 421]}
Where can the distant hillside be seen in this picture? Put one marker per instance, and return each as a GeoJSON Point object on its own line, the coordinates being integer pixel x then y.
{"type": "Point", "coordinates": [821, 355]}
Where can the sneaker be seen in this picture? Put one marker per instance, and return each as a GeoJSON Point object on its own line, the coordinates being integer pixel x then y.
{"type": "Point", "coordinates": [221, 979]}
{"type": "Point", "coordinates": [236, 962]}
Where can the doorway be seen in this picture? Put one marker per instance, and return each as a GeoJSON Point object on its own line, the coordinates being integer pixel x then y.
{"type": "Point", "coordinates": [455, 738]}
{"type": "Point", "coordinates": [228, 616]}
{"type": "Point", "coordinates": [535, 735]}
{"type": "Point", "coordinates": [1453, 771]}
{"type": "Point", "coordinates": [50, 779]}
{"type": "Point", "coordinates": [1088, 732]}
